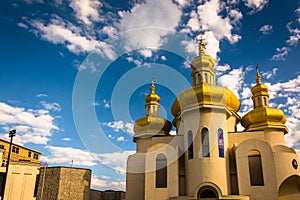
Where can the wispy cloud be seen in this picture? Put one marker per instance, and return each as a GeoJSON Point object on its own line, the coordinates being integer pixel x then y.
{"type": "Point", "coordinates": [266, 29]}
{"type": "Point", "coordinates": [51, 106]}
{"type": "Point", "coordinates": [118, 126]}
{"type": "Point", "coordinates": [255, 5]}
{"type": "Point", "coordinates": [292, 41]}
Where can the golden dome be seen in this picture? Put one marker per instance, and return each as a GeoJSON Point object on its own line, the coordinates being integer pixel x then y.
{"type": "Point", "coordinates": [262, 116]}
{"type": "Point", "coordinates": [152, 98]}
{"type": "Point", "coordinates": [205, 94]}
{"type": "Point", "coordinates": [152, 125]}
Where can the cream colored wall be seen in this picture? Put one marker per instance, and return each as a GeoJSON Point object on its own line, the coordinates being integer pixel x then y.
{"type": "Point", "coordinates": [20, 183]}
{"type": "Point", "coordinates": [135, 177]}
{"type": "Point", "coordinates": [268, 168]}
{"type": "Point", "coordinates": [172, 190]}
{"type": "Point", "coordinates": [211, 169]}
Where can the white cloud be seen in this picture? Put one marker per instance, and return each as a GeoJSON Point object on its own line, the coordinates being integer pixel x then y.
{"type": "Point", "coordinates": [62, 155]}
{"type": "Point", "coordinates": [106, 103]}
{"type": "Point", "coordinates": [115, 160]}
{"type": "Point", "coordinates": [86, 10]}
{"type": "Point", "coordinates": [164, 58]}
{"type": "Point", "coordinates": [22, 25]}
{"type": "Point", "coordinates": [35, 126]}
{"type": "Point", "coordinates": [266, 29]}
{"type": "Point", "coordinates": [66, 139]}
{"type": "Point", "coordinates": [235, 16]}
{"type": "Point", "coordinates": [256, 5]}
{"type": "Point", "coordinates": [183, 3]}
{"type": "Point", "coordinates": [120, 139]}
{"type": "Point", "coordinates": [106, 183]}
{"type": "Point", "coordinates": [51, 106]}
{"type": "Point", "coordinates": [221, 69]}
{"type": "Point", "coordinates": [293, 40]}
{"type": "Point", "coordinates": [41, 95]}
{"type": "Point", "coordinates": [294, 35]}
{"type": "Point", "coordinates": [269, 74]}
{"type": "Point", "coordinates": [233, 80]}
{"type": "Point", "coordinates": [281, 53]}
{"type": "Point", "coordinates": [217, 26]}
{"type": "Point", "coordinates": [118, 126]}
{"type": "Point", "coordinates": [87, 65]}
{"type": "Point", "coordinates": [60, 32]}
{"type": "Point", "coordinates": [145, 25]}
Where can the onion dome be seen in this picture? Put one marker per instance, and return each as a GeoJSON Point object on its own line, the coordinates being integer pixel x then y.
{"type": "Point", "coordinates": [152, 124]}
{"type": "Point", "coordinates": [205, 94]}
{"type": "Point", "coordinates": [152, 98]}
{"type": "Point", "coordinates": [263, 116]}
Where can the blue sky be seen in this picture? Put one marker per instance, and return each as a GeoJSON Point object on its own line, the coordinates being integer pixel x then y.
{"type": "Point", "coordinates": [74, 74]}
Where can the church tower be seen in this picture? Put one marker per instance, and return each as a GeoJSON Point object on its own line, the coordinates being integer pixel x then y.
{"type": "Point", "coordinates": [204, 114]}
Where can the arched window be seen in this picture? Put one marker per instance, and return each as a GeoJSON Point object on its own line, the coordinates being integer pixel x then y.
{"type": "Point", "coordinates": [221, 143]}
{"type": "Point", "coordinates": [265, 101]}
{"type": "Point", "coordinates": [161, 171]}
{"type": "Point", "coordinates": [255, 168]}
{"type": "Point", "coordinates": [190, 145]}
{"type": "Point", "coordinates": [205, 142]}
{"type": "Point", "coordinates": [208, 192]}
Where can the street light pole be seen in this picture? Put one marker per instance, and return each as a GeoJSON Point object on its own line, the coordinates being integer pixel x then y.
{"type": "Point", "coordinates": [12, 133]}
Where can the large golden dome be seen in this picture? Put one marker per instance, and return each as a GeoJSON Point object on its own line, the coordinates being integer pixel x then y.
{"type": "Point", "coordinates": [205, 94]}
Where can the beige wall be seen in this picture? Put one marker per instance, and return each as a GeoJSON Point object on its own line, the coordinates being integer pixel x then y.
{"type": "Point", "coordinates": [21, 180]}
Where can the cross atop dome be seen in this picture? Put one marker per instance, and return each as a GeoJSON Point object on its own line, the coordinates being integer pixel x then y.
{"type": "Point", "coordinates": [202, 45]}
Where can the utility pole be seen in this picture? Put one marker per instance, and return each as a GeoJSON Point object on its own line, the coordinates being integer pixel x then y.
{"type": "Point", "coordinates": [12, 133]}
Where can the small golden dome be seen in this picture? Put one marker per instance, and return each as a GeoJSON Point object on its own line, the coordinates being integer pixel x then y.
{"type": "Point", "coordinates": [152, 125]}
{"type": "Point", "coordinates": [152, 98]}
{"type": "Point", "coordinates": [262, 116]}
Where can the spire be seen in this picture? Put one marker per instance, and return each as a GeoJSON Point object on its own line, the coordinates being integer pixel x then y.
{"type": "Point", "coordinates": [202, 45]}
{"type": "Point", "coordinates": [152, 87]}
{"type": "Point", "coordinates": [258, 78]}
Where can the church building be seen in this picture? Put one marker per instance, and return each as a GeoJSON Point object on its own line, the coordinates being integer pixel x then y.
{"type": "Point", "coordinates": [208, 158]}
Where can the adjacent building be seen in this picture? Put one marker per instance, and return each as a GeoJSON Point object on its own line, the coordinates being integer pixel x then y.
{"type": "Point", "coordinates": [208, 158]}
{"type": "Point", "coordinates": [23, 171]}
{"type": "Point", "coordinates": [59, 183]}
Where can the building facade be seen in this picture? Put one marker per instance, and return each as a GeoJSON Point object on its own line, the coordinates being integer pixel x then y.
{"type": "Point", "coordinates": [208, 158]}
{"type": "Point", "coordinates": [23, 171]}
{"type": "Point", "coordinates": [60, 183]}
